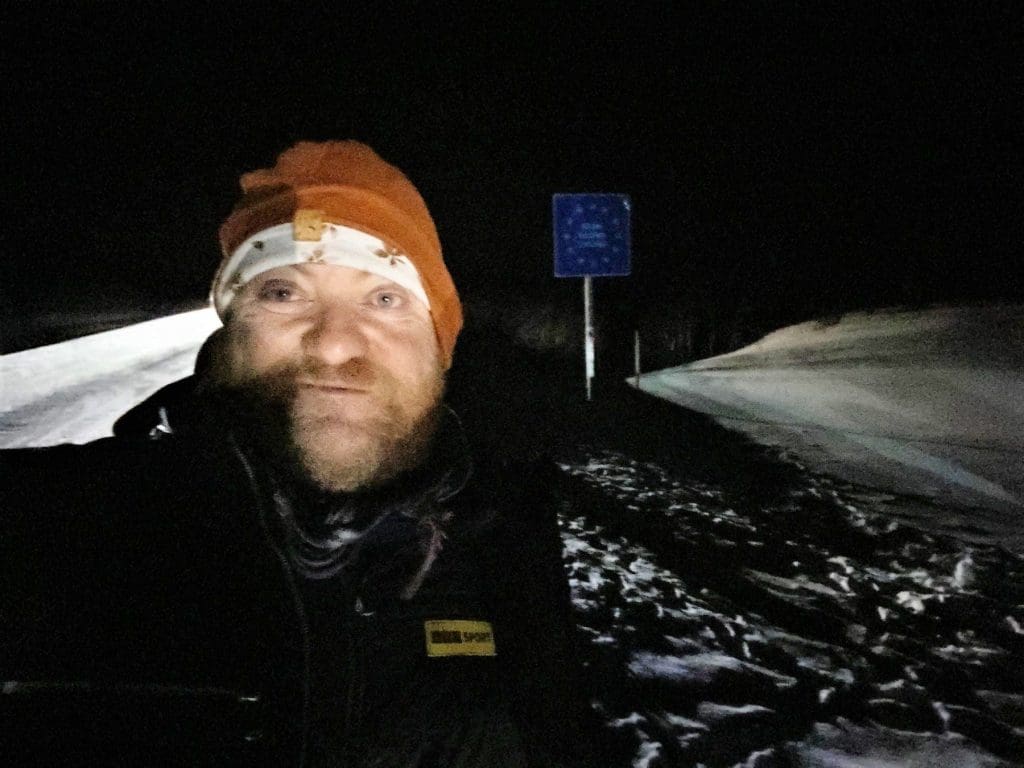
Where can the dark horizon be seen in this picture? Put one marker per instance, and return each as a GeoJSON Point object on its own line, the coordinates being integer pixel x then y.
{"type": "Point", "coordinates": [781, 165]}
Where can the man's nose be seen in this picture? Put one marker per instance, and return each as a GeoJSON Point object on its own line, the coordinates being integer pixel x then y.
{"type": "Point", "coordinates": [336, 334]}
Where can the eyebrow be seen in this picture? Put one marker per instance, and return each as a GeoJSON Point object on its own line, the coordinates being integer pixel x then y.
{"type": "Point", "coordinates": [363, 278]}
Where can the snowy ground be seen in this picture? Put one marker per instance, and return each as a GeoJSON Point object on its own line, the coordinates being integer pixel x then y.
{"type": "Point", "coordinates": [809, 631]}
{"type": "Point", "coordinates": [802, 625]}
{"type": "Point", "coordinates": [929, 403]}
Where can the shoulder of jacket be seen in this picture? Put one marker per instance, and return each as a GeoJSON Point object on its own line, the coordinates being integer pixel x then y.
{"type": "Point", "coordinates": [98, 450]}
{"type": "Point", "coordinates": [510, 500]}
{"type": "Point", "coordinates": [514, 479]}
{"type": "Point", "coordinates": [71, 456]}
{"type": "Point", "coordinates": [112, 461]}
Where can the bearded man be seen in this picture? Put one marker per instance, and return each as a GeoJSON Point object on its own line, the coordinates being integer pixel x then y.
{"type": "Point", "coordinates": [291, 558]}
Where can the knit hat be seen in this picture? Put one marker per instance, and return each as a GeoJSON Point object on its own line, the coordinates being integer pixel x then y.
{"type": "Point", "coordinates": [337, 202]}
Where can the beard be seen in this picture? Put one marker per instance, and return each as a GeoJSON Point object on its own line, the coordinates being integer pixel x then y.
{"type": "Point", "coordinates": [337, 443]}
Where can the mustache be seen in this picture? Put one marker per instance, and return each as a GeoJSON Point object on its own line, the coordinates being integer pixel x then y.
{"type": "Point", "coordinates": [356, 373]}
{"type": "Point", "coordinates": [284, 379]}
{"type": "Point", "coordinates": [260, 401]}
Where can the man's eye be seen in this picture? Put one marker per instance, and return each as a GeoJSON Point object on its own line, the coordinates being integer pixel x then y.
{"type": "Point", "coordinates": [278, 292]}
{"type": "Point", "coordinates": [388, 299]}
{"type": "Point", "coordinates": [282, 297]}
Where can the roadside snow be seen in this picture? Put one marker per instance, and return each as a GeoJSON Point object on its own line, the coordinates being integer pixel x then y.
{"type": "Point", "coordinates": [927, 402]}
{"type": "Point", "coordinates": [73, 391]}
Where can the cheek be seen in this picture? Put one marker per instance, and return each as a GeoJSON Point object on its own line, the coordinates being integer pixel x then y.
{"type": "Point", "coordinates": [254, 348]}
{"type": "Point", "coordinates": [412, 355]}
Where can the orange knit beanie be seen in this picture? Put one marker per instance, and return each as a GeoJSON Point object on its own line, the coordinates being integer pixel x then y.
{"type": "Point", "coordinates": [340, 193]}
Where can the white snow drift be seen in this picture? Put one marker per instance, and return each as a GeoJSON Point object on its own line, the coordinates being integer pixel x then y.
{"type": "Point", "coordinates": [927, 402]}
{"type": "Point", "coordinates": [73, 391]}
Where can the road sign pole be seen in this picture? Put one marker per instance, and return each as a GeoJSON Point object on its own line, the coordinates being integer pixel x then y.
{"type": "Point", "coordinates": [588, 332]}
{"type": "Point", "coordinates": [636, 356]}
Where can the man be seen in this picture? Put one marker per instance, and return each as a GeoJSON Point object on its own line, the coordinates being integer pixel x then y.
{"type": "Point", "coordinates": [291, 558]}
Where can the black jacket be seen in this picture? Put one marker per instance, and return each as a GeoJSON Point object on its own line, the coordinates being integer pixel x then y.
{"type": "Point", "coordinates": [159, 605]}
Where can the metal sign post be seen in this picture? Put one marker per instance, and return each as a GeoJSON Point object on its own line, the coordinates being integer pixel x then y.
{"type": "Point", "coordinates": [636, 357]}
{"type": "Point", "coordinates": [592, 238]}
{"type": "Point", "coordinates": [588, 333]}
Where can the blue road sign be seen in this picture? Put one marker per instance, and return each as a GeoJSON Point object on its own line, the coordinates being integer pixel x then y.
{"type": "Point", "coordinates": [591, 235]}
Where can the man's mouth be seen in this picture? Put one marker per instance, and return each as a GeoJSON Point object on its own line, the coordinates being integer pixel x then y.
{"type": "Point", "coordinates": [332, 387]}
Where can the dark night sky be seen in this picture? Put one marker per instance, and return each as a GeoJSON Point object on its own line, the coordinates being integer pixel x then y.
{"type": "Point", "coordinates": [787, 163]}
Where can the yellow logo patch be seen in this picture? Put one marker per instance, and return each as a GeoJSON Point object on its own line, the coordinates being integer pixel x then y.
{"type": "Point", "coordinates": [456, 637]}
{"type": "Point", "coordinates": [307, 224]}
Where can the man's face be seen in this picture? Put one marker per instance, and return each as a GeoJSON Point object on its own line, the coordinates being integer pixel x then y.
{"type": "Point", "coordinates": [352, 360]}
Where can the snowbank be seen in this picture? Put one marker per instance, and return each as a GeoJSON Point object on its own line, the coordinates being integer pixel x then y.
{"type": "Point", "coordinates": [74, 390]}
{"type": "Point", "coordinates": [927, 402]}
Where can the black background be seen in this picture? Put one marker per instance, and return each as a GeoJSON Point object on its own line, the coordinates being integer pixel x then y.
{"type": "Point", "coordinates": [785, 160]}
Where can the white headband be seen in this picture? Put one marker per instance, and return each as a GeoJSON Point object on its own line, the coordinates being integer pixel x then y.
{"type": "Point", "coordinates": [338, 245]}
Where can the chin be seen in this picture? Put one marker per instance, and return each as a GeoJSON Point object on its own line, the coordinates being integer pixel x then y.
{"type": "Point", "coordinates": [343, 458]}
{"type": "Point", "coordinates": [347, 452]}
{"type": "Point", "coordinates": [339, 457]}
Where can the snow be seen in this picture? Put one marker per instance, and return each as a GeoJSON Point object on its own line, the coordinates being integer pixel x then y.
{"type": "Point", "coordinates": [925, 402]}
{"type": "Point", "coordinates": [846, 745]}
{"type": "Point", "coordinates": [716, 670]}
{"type": "Point", "coordinates": [74, 390]}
